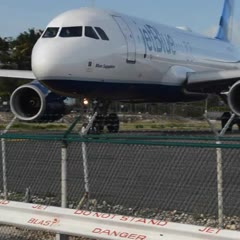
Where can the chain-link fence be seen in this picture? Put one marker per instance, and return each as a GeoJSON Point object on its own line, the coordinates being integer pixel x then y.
{"type": "Point", "coordinates": [167, 178]}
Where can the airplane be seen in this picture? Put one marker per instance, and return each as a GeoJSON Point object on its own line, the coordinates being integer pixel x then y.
{"type": "Point", "coordinates": [108, 56]}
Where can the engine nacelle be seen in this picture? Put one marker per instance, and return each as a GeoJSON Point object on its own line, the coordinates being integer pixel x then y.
{"type": "Point", "coordinates": [234, 98]}
{"type": "Point", "coordinates": [34, 102]}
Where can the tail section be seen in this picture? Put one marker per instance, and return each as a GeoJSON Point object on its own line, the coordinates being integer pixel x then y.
{"type": "Point", "coordinates": [226, 22]}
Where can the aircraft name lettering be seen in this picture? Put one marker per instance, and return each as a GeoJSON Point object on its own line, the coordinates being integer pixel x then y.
{"type": "Point", "coordinates": [156, 41]}
{"type": "Point", "coordinates": [105, 66]}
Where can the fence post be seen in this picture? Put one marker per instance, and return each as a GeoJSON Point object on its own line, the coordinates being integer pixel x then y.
{"type": "Point", "coordinates": [84, 132]}
{"type": "Point", "coordinates": [4, 161]}
{"type": "Point", "coordinates": [220, 173]}
{"type": "Point", "coordinates": [64, 172]}
{"type": "Point", "coordinates": [4, 169]}
{"type": "Point", "coordinates": [63, 184]}
{"type": "Point", "coordinates": [220, 186]}
{"type": "Point", "coordinates": [219, 165]}
{"type": "Point", "coordinates": [86, 181]}
{"type": "Point", "coordinates": [85, 169]}
{"type": "Point", "coordinates": [64, 175]}
{"type": "Point", "coordinates": [219, 169]}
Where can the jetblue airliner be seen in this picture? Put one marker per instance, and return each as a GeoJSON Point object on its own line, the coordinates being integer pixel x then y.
{"type": "Point", "coordinates": [108, 56]}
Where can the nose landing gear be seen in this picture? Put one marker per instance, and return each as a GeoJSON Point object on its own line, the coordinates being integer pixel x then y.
{"type": "Point", "coordinates": [111, 121]}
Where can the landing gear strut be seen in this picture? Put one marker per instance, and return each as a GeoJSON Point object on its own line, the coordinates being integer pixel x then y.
{"type": "Point", "coordinates": [225, 118]}
{"type": "Point", "coordinates": [111, 121]}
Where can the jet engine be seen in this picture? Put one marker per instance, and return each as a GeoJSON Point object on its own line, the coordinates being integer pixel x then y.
{"type": "Point", "coordinates": [34, 102]}
{"type": "Point", "coordinates": [234, 98]}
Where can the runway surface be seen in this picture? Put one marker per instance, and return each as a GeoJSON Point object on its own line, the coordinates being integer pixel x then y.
{"type": "Point", "coordinates": [134, 176]}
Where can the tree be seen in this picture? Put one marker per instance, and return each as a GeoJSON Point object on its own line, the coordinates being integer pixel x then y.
{"type": "Point", "coordinates": [4, 52]}
{"type": "Point", "coordinates": [7, 86]}
{"type": "Point", "coordinates": [21, 48]}
{"type": "Point", "coordinates": [16, 54]}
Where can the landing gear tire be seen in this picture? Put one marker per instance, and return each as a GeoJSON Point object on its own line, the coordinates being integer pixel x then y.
{"type": "Point", "coordinates": [98, 125]}
{"type": "Point", "coordinates": [225, 118]}
{"type": "Point", "coordinates": [112, 122]}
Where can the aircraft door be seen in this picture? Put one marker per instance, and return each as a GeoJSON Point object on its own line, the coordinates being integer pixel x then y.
{"type": "Point", "coordinates": [128, 35]}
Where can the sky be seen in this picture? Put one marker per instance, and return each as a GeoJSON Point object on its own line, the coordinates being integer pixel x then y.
{"type": "Point", "coordinates": [201, 16]}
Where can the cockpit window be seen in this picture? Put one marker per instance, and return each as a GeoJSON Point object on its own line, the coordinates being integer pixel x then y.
{"type": "Point", "coordinates": [71, 32]}
{"type": "Point", "coordinates": [102, 34]}
{"type": "Point", "coordinates": [89, 32]}
{"type": "Point", "coordinates": [51, 32]}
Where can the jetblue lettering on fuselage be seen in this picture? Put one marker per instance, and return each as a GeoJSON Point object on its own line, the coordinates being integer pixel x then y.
{"type": "Point", "coordinates": [157, 42]}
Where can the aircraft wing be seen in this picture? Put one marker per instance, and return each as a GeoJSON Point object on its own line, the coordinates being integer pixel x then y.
{"type": "Point", "coordinates": [212, 81]}
{"type": "Point", "coordinates": [17, 74]}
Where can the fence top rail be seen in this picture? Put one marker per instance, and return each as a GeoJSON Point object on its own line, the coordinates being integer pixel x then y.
{"type": "Point", "coordinates": [169, 137]}
{"type": "Point", "coordinates": [171, 141]}
{"type": "Point", "coordinates": [56, 136]}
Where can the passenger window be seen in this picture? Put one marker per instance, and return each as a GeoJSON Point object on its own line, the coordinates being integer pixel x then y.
{"type": "Point", "coordinates": [71, 32]}
{"type": "Point", "coordinates": [51, 32]}
{"type": "Point", "coordinates": [102, 34]}
{"type": "Point", "coordinates": [89, 32]}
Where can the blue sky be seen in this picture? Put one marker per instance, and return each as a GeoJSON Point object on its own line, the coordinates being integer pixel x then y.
{"type": "Point", "coordinates": [200, 15]}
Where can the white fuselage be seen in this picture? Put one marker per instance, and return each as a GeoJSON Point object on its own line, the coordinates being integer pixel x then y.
{"type": "Point", "coordinates": [142, 61]}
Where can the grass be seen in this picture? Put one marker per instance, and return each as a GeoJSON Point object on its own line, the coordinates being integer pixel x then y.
{"type": "Point", "coordinates": [166, 125]}
{"type": "Point", "coordinates": [162, 124]}
{"type": "Point", "coordinates": [36, 126]}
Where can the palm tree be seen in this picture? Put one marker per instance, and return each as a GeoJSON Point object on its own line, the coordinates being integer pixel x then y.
{"type": "Point", "coordinates": [4, 52]}
{"type": "Point", "coordinates": [22, 48]}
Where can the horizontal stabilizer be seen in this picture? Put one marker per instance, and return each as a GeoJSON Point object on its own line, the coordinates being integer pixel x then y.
{"type": "Point", "coordinates": [17, 74]}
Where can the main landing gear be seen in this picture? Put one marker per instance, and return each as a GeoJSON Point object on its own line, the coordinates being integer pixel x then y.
{"type": "Point", "coordinates": [103, 119]}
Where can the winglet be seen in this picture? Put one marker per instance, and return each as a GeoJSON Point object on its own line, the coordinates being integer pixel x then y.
{"type": "Point", "coordinates": [226, 22]}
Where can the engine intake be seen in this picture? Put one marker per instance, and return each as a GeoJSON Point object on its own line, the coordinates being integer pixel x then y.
{"type": "Point", "coordinates": [234, 98]}
{"type": "Point", "coordinates": [34, 102]}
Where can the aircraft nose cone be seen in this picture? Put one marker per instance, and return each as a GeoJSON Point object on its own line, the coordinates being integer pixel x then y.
{"type": "Point", "coordinates": [57, 59]}
{"type": "Point", "coordinates": [45, 59]}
